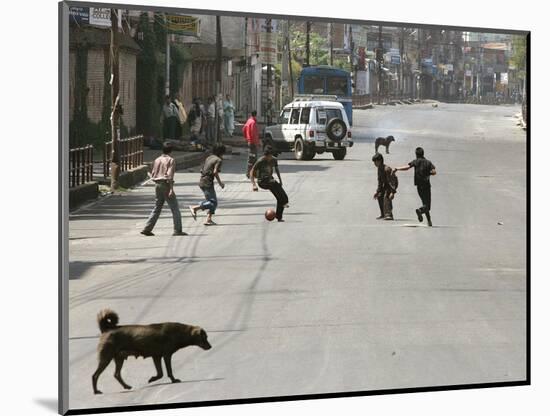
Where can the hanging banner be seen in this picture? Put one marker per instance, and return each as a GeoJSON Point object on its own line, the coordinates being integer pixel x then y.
{"type": "Point", "coordinates": [268, 48]}
{"type": "Point", "coordinates": [182, 25]}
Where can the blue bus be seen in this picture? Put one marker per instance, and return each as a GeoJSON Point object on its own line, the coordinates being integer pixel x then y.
{"type": "Point", "coordinates": [327, 80]}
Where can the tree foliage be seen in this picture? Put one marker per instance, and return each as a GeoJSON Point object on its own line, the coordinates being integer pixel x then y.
{"type": "Point", "coordinates": [519, 54]}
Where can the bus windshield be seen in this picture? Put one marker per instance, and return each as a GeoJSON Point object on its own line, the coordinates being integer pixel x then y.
{"type": "Point", "coordinates": [337, 85]}
{"type": "Point", "coordinates": [314, 84]}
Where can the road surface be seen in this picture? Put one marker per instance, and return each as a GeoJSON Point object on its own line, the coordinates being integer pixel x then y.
{"type": "Point", "coordinates": [331, 300]}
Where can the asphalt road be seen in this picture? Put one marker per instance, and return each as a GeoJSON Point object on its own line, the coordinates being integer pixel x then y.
{"type": "Point", "coordinates": [331, 300]}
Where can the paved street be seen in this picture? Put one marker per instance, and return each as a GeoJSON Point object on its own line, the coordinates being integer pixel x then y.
{"type": "Point", "coordinates": [332, 300]}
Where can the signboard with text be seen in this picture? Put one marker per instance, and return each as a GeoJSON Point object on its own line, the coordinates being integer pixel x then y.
{"type": "Point", "coordinates": [268, 48]}
{"type": "Point", "coordinates": [182, 25]}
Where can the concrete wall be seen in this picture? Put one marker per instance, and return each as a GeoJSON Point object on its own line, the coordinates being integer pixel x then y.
{"type": "Point", "coordinates": [95, 82]}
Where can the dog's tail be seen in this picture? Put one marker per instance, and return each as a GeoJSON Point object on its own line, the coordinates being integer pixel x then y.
{"type": "Point", "coordinates": [107, 320]}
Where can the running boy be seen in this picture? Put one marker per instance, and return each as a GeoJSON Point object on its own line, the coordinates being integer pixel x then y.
{"type": "Point", "coordinates": [210, 170]}
{"type": "Point", "coordinates": [423, 169]}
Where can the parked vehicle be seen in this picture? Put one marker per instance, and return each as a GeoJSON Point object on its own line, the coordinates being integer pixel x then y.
{"type": "Point", "coordinates": [311, 125]}
{"type": "Point", "coordinates": [328, 80]}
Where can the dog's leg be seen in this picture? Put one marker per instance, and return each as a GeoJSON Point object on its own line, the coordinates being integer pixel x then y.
{"type": "Point", "coordinates": [158, 366]}
{"type": "Point", "coordinates": [376, 147]}
{"type": "Point", "coordinates": [388, 149]}
{"type": "Point", "coordinates": [103, 363]}
{"type": "Point", "coordinates": [168, 362]}
{"type": "Point", "coordinates": [119, 361]}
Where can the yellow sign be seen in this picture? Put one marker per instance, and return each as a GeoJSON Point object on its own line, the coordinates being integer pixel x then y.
{"type": "Point", "coordinates": [182, 25]}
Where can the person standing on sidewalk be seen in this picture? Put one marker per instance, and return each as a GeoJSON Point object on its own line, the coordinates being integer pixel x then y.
{"type": "Point", "coordinates": [162, 174]}
{"type": "Point", "coordinates": [228, 116]}
{"type": "Point", "coordinates": [252, 136]}
{"type": "Point", "coordinates": [210, 170]}
{"type": "Point", "coordinates": [211, 123]}
{"type": "Point", "coordinates": [195, 121]}
{"type": "Point", "coordinates": [263, 170]}
{"type": "Point", "coordinates": [423, 169]}
{"type": "Point", "coordinates": [387, 187]}
{"type": "Point", "coordinates": [169, 118]}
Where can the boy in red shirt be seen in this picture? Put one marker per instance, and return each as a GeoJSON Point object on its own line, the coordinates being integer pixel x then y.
{"type": "Point", "coordinates": [252, 136]}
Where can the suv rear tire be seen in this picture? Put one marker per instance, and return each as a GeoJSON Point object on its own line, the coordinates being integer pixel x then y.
{"type": "Point", "coordinates": [339, 154]}
{"type": "Point", "coordinates": [336, 129]}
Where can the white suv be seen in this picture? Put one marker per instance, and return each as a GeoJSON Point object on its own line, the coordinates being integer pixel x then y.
{"type": "Point", "coordinates": [311, 125]}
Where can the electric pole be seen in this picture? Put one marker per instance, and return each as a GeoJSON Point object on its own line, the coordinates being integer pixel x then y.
{"type": "Point", "coordinates": [116, 107]}
{"type": "Point", "coordinates": [420, 69]}
{"type": "Point", "coordinates": [401, 55]}
{"type": "Point", "coordinates": [269, 100]}
{"type": "Point", "coordinates": [351, 49]}
{"type": "Point", "coordinates": [308, 29]}
{"type": "Point", "coordinates": [167, 66]}
{"type": "Point", "coordinates": [330, 45]}
{"type": "Point", "coordinates": [379, 59]}
{"type": "Point", "coordinates": [218, 77]}
{"type": "Point", "coordinates": [291, 77]}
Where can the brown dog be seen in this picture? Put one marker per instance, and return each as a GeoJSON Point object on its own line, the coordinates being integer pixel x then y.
{"type": "Point", "coordinates": [381, 141]}
{"type": "Point", "coordinates": [156, 340]}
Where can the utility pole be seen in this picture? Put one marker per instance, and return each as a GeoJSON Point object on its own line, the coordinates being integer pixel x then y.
{"type": "Point", "coordinates": [351, 68]}
{"type": "Point", "coordinates": [291, 76]}
{"type": "Point", "coordinates": [269, 100]}
{"type": "Point", "coordinates": [419, 57]}
{"type": "Point", "coordinates": [380, 60]}
{"type": "Point", "coordinates": [218, 77]}
{"type": "Point", "coordinates": [116, 107]}
{"type": "Point", "coordinates": [401, 55]}
{"type": "Point", "coordinates": [330, 45]}
{"type": "Point", "coordinates": [167, 66]}
{"type": "Point", "coordinates": [308, 29]}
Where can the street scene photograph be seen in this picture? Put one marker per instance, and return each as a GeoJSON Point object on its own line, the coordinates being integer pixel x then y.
{"type": "Point", "coordinates": [265, 206]}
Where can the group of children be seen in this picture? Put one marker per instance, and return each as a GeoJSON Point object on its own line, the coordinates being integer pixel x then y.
{"type": "Point", "coordinates": [262, 171]}
{"type": "Point", "coordinates": [388, 182]}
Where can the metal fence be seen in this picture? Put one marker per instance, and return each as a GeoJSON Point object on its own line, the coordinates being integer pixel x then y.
{"type": "Point", "coordinates": [130, 153]}
{"type": "Point", "coordinates": [359, 100]}
{"type": "Point", "coordinates": [81, 165]}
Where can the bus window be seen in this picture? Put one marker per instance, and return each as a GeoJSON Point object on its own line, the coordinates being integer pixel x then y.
{"type": "Point", "coordinates": [314, 84]}
{"type": "Point", "coordinates": [304, 118]}
{"type": "Point", "coordinates": [337, 86]}
{"type": "Point", "coordinates": [325, 114]}
{"type": "Point", "coordinates": [295, 116]}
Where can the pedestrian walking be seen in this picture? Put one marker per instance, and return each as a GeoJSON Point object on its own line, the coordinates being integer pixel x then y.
{"type": "Point", "coordinates": [210, 170]}
{"type": "Point", "coordinates": [252, 136]}
{"type": "Point", "coordinates": [423, 169]}
{"type": "Point", "coordinates": [263, 170]}
{"type": "Point", "coordinates": [387, 187]}
{"type": "Point", "coordinates": [195, 121]}
{"type": "Point", "coordinates": [228, 116]}
{"type": "Point", "coordinates": [169, 118]}
{"type": "Point", "coordinates": [162, 174]}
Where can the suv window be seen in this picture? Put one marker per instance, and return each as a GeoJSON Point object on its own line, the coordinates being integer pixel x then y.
{"type": "Point", "coordinates": [325, 114]}
{"type": "Point", "coordinates": [304, 118]}
{"type": "Point", "coordinates": [285, 115]}
{"type": "Point", "coordinates": [295, 116]}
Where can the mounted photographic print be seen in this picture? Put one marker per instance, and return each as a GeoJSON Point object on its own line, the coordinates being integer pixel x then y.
{"type": "Point", "coordinates": [267, 208]}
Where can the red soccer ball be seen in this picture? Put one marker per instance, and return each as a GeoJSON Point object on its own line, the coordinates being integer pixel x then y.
{"type": "Point", "coordinates": [270, 214]}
